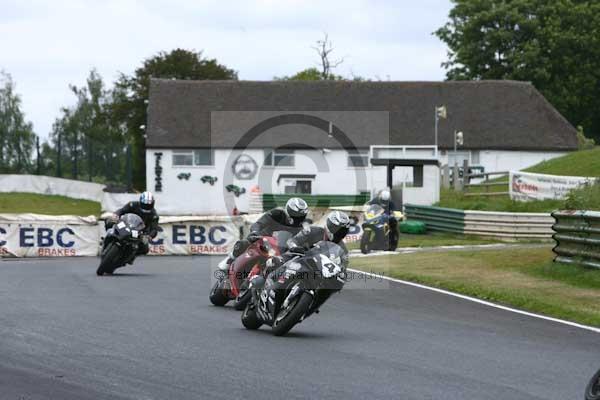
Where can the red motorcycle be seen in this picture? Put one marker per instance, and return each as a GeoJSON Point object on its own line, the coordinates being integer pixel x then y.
{"type": "Point", "coordinates": [233, 282]}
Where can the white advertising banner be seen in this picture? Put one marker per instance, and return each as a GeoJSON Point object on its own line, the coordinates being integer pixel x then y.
{"type": "Point", "coordinates": [525, 186]}
{"type": "Point", "coordinates": [196, 235]}
{"type": "Point", "coordinates": [30, 235]}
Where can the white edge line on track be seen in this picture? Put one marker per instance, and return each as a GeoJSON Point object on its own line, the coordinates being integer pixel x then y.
{"type": "Point", "coordinates": [475, 300]}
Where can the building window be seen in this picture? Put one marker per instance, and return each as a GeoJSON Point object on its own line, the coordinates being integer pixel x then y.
{"type": "Point", "coordinates": [358, 159]}
{"type": "Point", "coordinates": [188, 158]}
{"type": "Point", "coordinates": [203, 157]}
{"type": "Point", "coordinates": [279, 158]}
{"type": "Point", "coordinates": [298, 187]}
{"type": "Point", "coordinates": [183, 159]}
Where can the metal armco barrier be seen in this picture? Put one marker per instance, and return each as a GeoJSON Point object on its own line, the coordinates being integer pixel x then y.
{"type": "Point", "coordinates": [483, 223]}
{"type": "Point", "coordinates": [577, 237]}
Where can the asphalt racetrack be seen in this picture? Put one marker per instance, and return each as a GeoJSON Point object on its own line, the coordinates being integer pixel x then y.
{"type": "Point", "coordinates": [151, 333]}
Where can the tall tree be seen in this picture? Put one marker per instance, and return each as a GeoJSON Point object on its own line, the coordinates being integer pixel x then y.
{"type": "Point", "coordinates": [555, 44]}
{"type": "Point", "coordinates": [85, 139]}
{"type": "Point", "coordinates": [17, 139]}
{"type": "Point", "coordinates": [131, 94]}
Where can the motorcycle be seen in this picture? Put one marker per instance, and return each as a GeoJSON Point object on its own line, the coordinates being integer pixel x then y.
{"type": "Point", "coordinates": [120, 244]}
{"type": "Point", "coordinates": [592, 391]}
{"type": "Point", "coordinates": [297, 289]}
{"type": "Point", "coordinates": [233, 282]}
{"type": "Point", "coordinates": [376, 230]}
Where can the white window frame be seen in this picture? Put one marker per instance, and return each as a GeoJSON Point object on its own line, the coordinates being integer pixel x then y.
{"type": "Point", "coordinates": [192, 154]}
{"type": "Point", "coordinates": [271, 154]}
{"type": "Point", "coordinates": [360, 153]}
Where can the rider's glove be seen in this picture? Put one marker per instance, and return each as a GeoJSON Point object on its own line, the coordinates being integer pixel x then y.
{"type": "Point", "coordinates": [274, 262]}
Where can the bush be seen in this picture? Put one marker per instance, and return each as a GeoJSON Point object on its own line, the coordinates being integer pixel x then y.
{"type": "Point", "coordinates": [584, 198]}
{"type": "Point", "coordinates": [583, 142]}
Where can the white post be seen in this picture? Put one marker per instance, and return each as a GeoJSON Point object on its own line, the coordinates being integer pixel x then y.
{"type": "Point", "coordinates": [436, 128]}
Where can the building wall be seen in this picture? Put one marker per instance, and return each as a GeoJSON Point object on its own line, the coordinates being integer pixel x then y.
{"type": "Point", "coordinates": [331, 170]}
{"type": "Point", "coordinates": [500, 160]}
{"type": "Point", "coordinates": [332, 175]}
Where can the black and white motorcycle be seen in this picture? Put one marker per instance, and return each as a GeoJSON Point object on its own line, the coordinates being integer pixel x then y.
{"type": "Point", "coordinates": [121, 243]}
{"type": "Point", "coordinates": [297, 289]}
{"type": "Point", "coordinates": [592, 391]}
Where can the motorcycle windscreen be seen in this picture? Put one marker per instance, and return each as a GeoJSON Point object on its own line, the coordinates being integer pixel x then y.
{"type": "Point", "coordinates": [374, 210]}
{"type": "Point", "coordinates": [325, 254]}
{"type": "Point", "coordinates": [133, 221]}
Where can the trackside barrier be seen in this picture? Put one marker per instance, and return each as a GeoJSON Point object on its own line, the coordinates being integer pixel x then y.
{"type": "Point", "coordinates": [483, 223]}
{"type": "Point", "coordinates": [35, 235]}
{"type": "Point", "coordinates": [316, 201]}
{"type": "Point", "coordinates": [577, 237]}
{"type": "Point", "coordinates": [52, 186]}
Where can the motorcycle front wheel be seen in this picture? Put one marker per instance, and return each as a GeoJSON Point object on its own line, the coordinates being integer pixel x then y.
{"type": "Point", "coordinates": [290, 316]}
{"type": "Point", "coordinates": [249, 318]}
{"type": "Point", "coordinates": [365, 242]}
{"type": "Point", "coordinates": [592, 391]}
{"type": "Point", "coordinates": [108, 260]}
{"type": "Point", "coordinates": [217, 295]}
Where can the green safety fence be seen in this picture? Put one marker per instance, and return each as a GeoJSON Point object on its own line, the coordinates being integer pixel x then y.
{"type": "Point", "coordinates": [322, 200]}
{"type": "Point", "coordinates": [577, 237]}
{"type": "Point", "coordinates": [437, 218]}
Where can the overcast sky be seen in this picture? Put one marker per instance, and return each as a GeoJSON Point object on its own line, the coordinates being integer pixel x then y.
{"type": "Point", "coordinates": [47, 45]}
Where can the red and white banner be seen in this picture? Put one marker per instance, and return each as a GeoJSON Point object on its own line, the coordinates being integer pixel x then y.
{"type": "Point", "coordinates": [525, 186]}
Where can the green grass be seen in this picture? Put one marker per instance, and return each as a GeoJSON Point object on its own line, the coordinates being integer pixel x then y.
{"type": "Point", "coordinates": [451, 199]}
{"type": "Point", "coordinates": [521, 278]}
{"type": "Point", "coordinates": [46, 204]}
{"type": "Point", "coordinates": [437, 239]}
{"type": "Point", "coordinates": [578, 163]}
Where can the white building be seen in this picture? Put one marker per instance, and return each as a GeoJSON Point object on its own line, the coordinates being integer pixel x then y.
{"type": "Point", "coordinates": [209, 142]}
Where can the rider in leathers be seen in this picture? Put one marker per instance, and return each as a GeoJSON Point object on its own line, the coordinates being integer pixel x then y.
{"type": "Point", "coordinates": [336, 228]}
{"type": "Point", "coordinates": [289, 219]}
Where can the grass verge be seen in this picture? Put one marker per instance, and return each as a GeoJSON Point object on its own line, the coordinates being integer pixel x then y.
{"type": "Point", "coordinates": [522, 278]}
{"type": "Point", "coordinates": [46, 204]}
{"type": "Point", "coordinates": [577, 163]}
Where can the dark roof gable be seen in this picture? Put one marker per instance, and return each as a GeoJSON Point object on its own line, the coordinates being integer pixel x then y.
{"type": "Point", "coordinates": [506, 115]}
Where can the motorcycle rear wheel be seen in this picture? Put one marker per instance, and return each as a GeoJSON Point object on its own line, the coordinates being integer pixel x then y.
{"type": "Point", "coordinates": [109, 260]}
{"type": "Point", "coordinates": [216, 296]}
{"type": "Point", "coordinates": [592, 391]}
{"type": "Point", "coordinates": [249, 318]}
{"type": "Point", "coordinates": [293, 316]}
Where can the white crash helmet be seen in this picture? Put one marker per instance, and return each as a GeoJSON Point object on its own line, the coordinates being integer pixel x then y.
{"type": "Point", "coordinates": [337, 225]}
{"type": "Point", "coordinates": [384, 195]}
